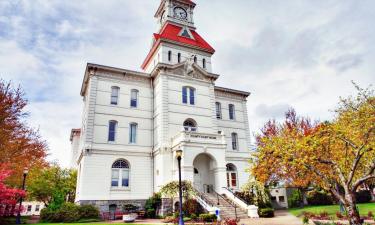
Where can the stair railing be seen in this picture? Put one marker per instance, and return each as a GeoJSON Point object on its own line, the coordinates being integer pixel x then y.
{"type": "Point", "coordinates": [203, 197]}
{"type": "Point", "coordinates": [211, 189]}
{"type": "Point", "coordinates": [234, 194]}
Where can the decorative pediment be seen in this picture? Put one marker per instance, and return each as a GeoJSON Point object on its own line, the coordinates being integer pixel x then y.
{"type": "Point", "coordinates": [190, 69]}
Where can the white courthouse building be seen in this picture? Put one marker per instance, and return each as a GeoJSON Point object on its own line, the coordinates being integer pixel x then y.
{"type": "Point", "coordinates": [133, 122]}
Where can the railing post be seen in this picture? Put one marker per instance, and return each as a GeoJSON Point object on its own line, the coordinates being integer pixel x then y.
{"type": "Point", "coordinates": [235, 211]}
{"type": "Point", "coordinates": [218, 202]}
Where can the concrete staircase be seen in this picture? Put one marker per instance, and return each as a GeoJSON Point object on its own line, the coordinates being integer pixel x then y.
{"type": "Point", "coordinates": [227, 209]}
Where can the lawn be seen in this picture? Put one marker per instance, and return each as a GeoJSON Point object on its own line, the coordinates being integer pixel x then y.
{"type": "Point", "coordinates": [90, 223]}
{"type": "Point", "coordinates": [332, 209]}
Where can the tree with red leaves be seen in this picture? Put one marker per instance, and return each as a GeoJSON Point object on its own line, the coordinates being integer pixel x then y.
{"type": "Point", "coordinates": [8, 196]}
{"type": "Point", "coordinates": [20, 145]}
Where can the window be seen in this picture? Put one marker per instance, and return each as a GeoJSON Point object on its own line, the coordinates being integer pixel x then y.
{"type": "Point", "coordinates": [179, 57]}
{"type": "Point", "coordinates": [281, 199]}
{"type": "Point", "coordinates": [204, 63]}
{"type": "Point", "coordinates": [114, 95]}
{"type": "Point", "coordinates": [134, 98]}
{"type": "Point", "coordinates": [231, 176]}
{"type": "Point", "coordinates": [190, 125]}
{"type": "Point", "coordinates": [234, 141]}
{"type": "Point", "coordinates": [218, 110]}
{"type": "Point", "coordinates": [37, 207]}
{"type": "Point", "coordinates": [133, 133]}
{"type": "Point", "coordinates": [231, 112]}
{"type": "Point", "coordinates": [112, 130]}
{"type": "Point", "coordinates": [120, 173]}
{"type": "Point", "coordinates": [169, 56]}
{"type": "Point", "coordinates": [273, 198]}
{"type": "Point", "coordinates": [195, 59]}
{"type": "Point", "coordinates": [29, 208]}
{"type": "Point", "coordinates": [188, 93]}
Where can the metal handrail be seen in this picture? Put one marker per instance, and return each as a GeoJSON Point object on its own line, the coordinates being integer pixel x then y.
{"type": "Point", "coordinates": [230, 203]}
{"type": "Point", "coordinates": [200, 195]}
{"type": "Point", "coordinates": [234, 194]}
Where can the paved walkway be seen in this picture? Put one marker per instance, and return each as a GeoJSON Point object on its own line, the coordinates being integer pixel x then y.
{"type": "Point", "coordinates": [282, 217]}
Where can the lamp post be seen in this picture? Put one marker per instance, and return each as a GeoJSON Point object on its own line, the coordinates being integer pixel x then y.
{"type": "Point", "coordinates": [179, 156]}
{"type": "Point", "coordinates": [18, 219]}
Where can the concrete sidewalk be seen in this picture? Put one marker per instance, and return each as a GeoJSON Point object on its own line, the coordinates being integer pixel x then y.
{"type": "Point", "coordinates": [282, 217]}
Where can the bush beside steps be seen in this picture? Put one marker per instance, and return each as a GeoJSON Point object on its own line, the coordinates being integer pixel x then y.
{"type": "Point", "coordinates": [69, 212]}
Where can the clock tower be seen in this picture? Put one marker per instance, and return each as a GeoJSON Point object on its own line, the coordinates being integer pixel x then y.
{"type": "Point", "coordinates": [177, 39]}
{"type": "Point", "coordinates": [176, 11]}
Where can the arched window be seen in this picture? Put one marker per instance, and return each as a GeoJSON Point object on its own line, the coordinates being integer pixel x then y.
{"type": "Point", "coordinates": [114, 95]}
{"type": "Point", "coordinates": [188, 93]}
{"type": "Point", "coordinates": [133, 133]}
{"type": "Point", "coordinates": [234, 141]}
{"type": "Point", "coordinates": [134, 98]}
{"type": "Point", "coordinates": [120, 173]}
{"type": "Point", "coordinates": [231, 176]}
{"type": "Point", "coordinates": [190, 125]}
{"type": "Point", "coordinates": [231, 112]}
{"type": "Point", "coordinates": [179, 57]}
{"type": "Point", "coordinates": [195, 59]}
{"type": "Point", "coordinates": [112, 130]}
{"type": "Point", "coordinates": [169, 56]}
{"type": "Point", "coordinates": [204, 63]}
{"type": "Point", "coordinates": [218, 110]}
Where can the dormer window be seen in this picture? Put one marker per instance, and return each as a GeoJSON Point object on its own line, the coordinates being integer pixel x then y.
{"type": "Point", "coordinates": [179, 57]}
{"type": "Point", "coordinates": [195, 59]}
{"type": "Point", "coordinates": [185, 33]}
{"type": "Point", "coordinates": [204, 63]}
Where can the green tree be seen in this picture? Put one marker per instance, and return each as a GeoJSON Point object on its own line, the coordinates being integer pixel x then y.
{"type": "Point", "coordinates": [53, 186]}
{"type": "Point", "coordinates": [338, 155]}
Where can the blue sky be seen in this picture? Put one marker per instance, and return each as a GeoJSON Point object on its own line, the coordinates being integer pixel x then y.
{"type": "Point", "coordinates": [292, 53]}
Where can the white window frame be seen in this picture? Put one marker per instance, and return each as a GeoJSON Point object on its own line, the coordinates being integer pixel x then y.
{"type": "Point", "coordinates": [113, 88]}
{"type": "Point", "coordinates": [115, 131]}
{"type": "Point", "coordinates": [219, 114]}
{"type": "Point", "coordinates": [120, 172]}
{"type": "Point", "coordinates": [234, 138]}
{"type": "Point", "coordinates": [189, 89]}
{"type": "Point", "coordinates": [130, 133]}
{"type": "Point", "coordinates": [136, 98]}
{"type": "Point", "coordinates": [233, 111]}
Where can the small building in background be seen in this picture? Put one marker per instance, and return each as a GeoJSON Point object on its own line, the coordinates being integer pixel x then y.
{"type": "Point", "coordinates": [32, 208]}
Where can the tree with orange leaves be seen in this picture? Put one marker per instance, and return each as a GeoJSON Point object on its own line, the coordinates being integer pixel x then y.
{"type": "Point", "coordinates": [20, 145]}
{"type": "Point", "coordinates": [338, 156]}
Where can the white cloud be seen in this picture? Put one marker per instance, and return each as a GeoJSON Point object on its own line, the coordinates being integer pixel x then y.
{"type": "Point", "coordinates": [300, 54]}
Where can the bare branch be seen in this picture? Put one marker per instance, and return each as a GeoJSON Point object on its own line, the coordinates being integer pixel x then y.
{"type": "Point", "coordinates": [358, 157]}
{"type": "Point", "coordinates": [369, 175]}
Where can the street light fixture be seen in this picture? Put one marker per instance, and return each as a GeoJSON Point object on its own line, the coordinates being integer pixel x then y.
{"type": "Point", "coordinates": [18, 219]}
{"type": "Point", "coordinates": [179, 156]}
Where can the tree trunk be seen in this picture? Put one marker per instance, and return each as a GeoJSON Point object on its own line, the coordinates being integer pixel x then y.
{"type": "Point", "coordinates": [351, 208]}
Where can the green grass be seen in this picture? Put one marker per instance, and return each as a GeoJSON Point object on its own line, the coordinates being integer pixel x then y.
{"type": "Point", "coordinates": [364, 208]}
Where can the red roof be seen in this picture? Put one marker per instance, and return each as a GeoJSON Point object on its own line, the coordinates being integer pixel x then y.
{"type": "Point", "coordinates": [171, 33]}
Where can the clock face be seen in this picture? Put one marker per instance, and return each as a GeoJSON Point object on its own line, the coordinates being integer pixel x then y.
{"type": "Point", "coordinates": [180, 13]}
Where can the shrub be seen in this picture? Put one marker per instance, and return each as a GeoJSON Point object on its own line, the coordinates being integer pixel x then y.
{"type": "Point", "coordinates": [363, 196]}
{"type": "Point", "coordinates": [88, 212]}
{"type": "Point", "coordinates": [305, 220]}
{"type": "Point", "coordinates": [295, 199]}
{"type": "Point", "coordinates": [191, 206]}
{"type": "Point", "coordinates": [47, 215]}
{"type": "Point", "coordinates": [230, 222]}
{"type": "Point", "coordinates": [67, 213]}
{"type": "Point", "coordinates": [207, 217]}
{"type": "Point", "coordinates": [266, 212]}
{"type": "Point", "coordinates": [319, 198]}
{"type": "Point", "coordinates": [152, 204]}
{"type": "Point", "coordinates": [248, 197]}
{"type": "Point", "coordinates": [130, 208]}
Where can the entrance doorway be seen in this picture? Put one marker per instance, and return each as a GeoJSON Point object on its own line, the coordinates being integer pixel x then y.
{"type": "Point", "coordinates": [204, 176]}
